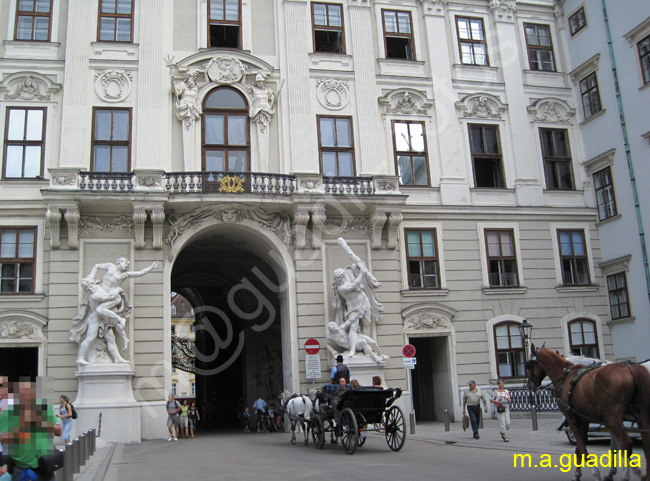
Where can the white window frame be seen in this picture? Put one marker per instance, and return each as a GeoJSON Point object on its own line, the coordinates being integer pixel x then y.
{"type": "Point", "coordinates": [558, 259]}
{"type": "Point", "coordinates": [487, 24]}
{"type": "Point", "coordinates": [634, 36]}
{"type": "Point", "coordinates": [245, 23]}
{"type": "Point", "coordinates": [481, 228]}
{"type": "Point", "coordinates": [586, 316]}
{"type": "Point", "coordinates": [39, 224]}
{"type": "Point", "coordinates": [492, 346]}
{"type": "Point", "coordinates": [443, 289]}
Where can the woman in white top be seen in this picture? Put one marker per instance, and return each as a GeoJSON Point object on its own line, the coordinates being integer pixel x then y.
{"type": "Point", "coordinates": [501, 397]}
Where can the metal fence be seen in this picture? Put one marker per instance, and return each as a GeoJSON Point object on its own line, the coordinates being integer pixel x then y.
{"type": "Point", "coordinates": [521, 400]}
{"type": "Point", "coordinates": [76, 455]}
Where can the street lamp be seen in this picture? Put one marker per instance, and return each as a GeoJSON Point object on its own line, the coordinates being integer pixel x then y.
{"type": "Point", "coordinates": [526, 331]}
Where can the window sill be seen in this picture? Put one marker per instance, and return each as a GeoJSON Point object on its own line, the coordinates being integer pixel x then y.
{"type": "Point", "coordinates": [484, 73]}
{"type": "Point", "coordinates": [644, 87]}
{"type": "Point", "coordinates": [14, 297]}
{"type": "Point", "coordinates": [495, 291]}
{"type": "Point", "coordinates": [589, 288]}
{"type": "Point", "coordinates": [114, 50]}
{"type": "Point", "coordinates": [327, 59]}
{"type": "Point", "coordinates": [624, 320]}
{"type": "Point", "coordinates": [424, 292]}
{"type": "Point", "coordinates": [26, 180]}
{"type": "Point", "coordinates": [34, 49]}
{"type": "Point", "coordinates": [595, 116]}
{"type": "Point", "coordinates": [545, 78]}
{"type": "Point", "coordinates": [401, 67]}
{"type": "Point", "coordinates": [608, 220]}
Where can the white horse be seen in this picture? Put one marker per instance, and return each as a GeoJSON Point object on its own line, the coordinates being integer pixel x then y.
{"type": "Point", "coordinates": [298, 408]}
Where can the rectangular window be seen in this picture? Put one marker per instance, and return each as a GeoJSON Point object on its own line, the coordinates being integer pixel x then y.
{"type": "Point", "coordinates": [582, 338]}
{"type": "Point", "coordinates": [116, 21]}
{"type": "Point", "coordinates": [174, 389]}
{"type": "Point", "coordinates": [24, 143]}
{"type": "Point", "coordinates": [605, 194]}
{"type": "Point", "coordinates": [17, 254]}
{"type": "Point", "coordinates": [398, 35]}
{"type": "Point", "coordinates": [577, 21]}
{"type": "Point", "coordinates": [509, 350]}
{"type": "Point", "coordinates": [573, 257]}
{"type": "Point", "coordinates": [111, 140]}
{"type": "Point", "coordinates": [486, 156]}
{"type": "Point", "coordinates": [618, 299]}
{"type": "Point", "coordinates": [328, 27]}
{"type": "Point", "coordinates": [471, 41]}
{"type": "Point", "coordinates": [502, 260]}
{"type": "Point", "coordinates": [422, 259]}
{"type": "Point", "coordinates": [540, 47]}
{"type": "Point", "coordinates": [224, 29]}
{"type": "Point", "coordinates": [411, 152]}
{"type": "Point", "coordinates": [644, 58]}
{"type": "Point", "coordinates": [590, 95]}
{"type": "Point", "coordinates": [557, 159]}
{"type": "Point", "coordinates": [193, 389]}
{"type": "Point", "coordinates": [33, 20]}
{"type": "Point", "coordinates": [336, 148]}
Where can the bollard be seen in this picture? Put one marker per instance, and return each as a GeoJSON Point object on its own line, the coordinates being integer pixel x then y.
{"type": "Point", "coordinates": [480, 419]}
{"type": "Point", "coordinates": [67, 463]}
{"type": "Point", "coordinates": [88, 446]}
{"type": "Point", "coordinates": [82, 450]}
{"type": "Point", "coordinates": [412, 421]}
{"type": "Point", "coordinates": [93, 446]}
{"type": "Point", "coordinates": [76, 463]}
{"type": "Point", "coordinates": [533, 414]}
{"type": "Point", "coordinates": [446, 420]}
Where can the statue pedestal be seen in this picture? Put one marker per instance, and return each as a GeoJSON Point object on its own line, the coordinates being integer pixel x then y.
{"type": "Point", "coordinates": [105, 400]}
{"type": "Point", "coordinates": [363, 368]}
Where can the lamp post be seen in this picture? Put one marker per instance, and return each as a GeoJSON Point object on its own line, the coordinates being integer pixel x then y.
{"type": "Point", "coordinates": [526, 331]}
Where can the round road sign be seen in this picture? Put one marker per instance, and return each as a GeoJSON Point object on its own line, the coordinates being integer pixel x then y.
{"type": "Point", "coordinates": [312, 346]}
{"type": "Point", "coordinates": [408, 350]}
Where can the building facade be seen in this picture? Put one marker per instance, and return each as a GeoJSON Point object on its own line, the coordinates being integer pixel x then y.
{"type": "Point", "coordinates": [616, 162]}
{"type": "Point", "coordinates": [235, 144]}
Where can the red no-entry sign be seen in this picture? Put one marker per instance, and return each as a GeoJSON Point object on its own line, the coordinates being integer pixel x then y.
{"type": "Point", "coordinates": [312, 346]}
{"type": "Point", "coordinates": [408, 350]}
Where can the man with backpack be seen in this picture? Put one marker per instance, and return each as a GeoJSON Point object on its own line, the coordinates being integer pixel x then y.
{"type": "Point", "coordinates": [173, 419]}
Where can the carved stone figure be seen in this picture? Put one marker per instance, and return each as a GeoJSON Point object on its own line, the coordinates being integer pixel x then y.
{"type": "Point", "coordinates": [263, 103]}
{"type": "Point", "coordinates": [354, 301]}
{"type": "Point", "coordinates": [338, 341]}
{"type": "Point", "coordinates": [104, 310]}
{"type": "Point", "coordinates": [187, 105]}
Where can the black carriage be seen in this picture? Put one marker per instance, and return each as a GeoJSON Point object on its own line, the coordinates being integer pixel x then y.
{"type": "Point", "coordinates": [351, 415]}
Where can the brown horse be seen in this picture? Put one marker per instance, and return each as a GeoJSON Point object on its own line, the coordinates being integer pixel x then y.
{"type": "Point", "coordinates": [603, 395]}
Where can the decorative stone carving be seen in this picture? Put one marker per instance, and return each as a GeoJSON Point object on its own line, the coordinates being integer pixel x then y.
{"type": "Point", "coordinates": [28, 88]}
{"type": "Point", "coordinates": [149, 181]}
{"type": "Point", "coordinates": [18, 329]}
{"type": "Point", "coordinates": [406, 102]}
{"type": "Point", "coordinates": [551, 110]}
{"type": "Point", "coordinates": [355, 305]}
{"type": "Point", "coordinates": [225, 70]}
{"type": "Point", "coordinates": [301, 219]}
{"type": "Point", "coordinates": [378, 219]}
{"type": "Point", "coordinates": [503, 8]}
{"type": "Point", "coordinates": [158, 221]}
{"type": "Point", "coordinates": [481, 106]}
{"type": "Point", "coordinates": [333, 226]}
{"type": "Point", "coordinates": [122, 222]}
{"type": "Point", "coordinates": [310, 184]}
{"type": "Point", "coordinates": [113, 85]}
{"type": "Point", "coordinates": [427, 321]}
{"type": "Point", "coordinates": [333, 94]}
{"type": "Point", "coordinates": [187, 105]}
{"type": "Point", "coordinates": [318, 218]}
{"type": "Point", "coordinates": [72, 218]}
{"type": "Point", "coordinates": [558, 11]}
{"type": "Point", "coordinates": [386, 186]}
{"type": "Point", "coordinates": [139, 218]}
{"type": "Point", "coordinates": [394, 221]}
{"type": "Point", "coordinates": [53, 216]}
{"type": "Point", "coordinates": [63, 179]}
{"type": "Point", "coordinates": [434, 4]}
{"type": "Point", "coordinates": [428, 317]}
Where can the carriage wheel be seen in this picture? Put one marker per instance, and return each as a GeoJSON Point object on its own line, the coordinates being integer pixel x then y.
{"type": "Point", "coordinates": [361, 439]}
{"type": "Point", "coordinates": [394, 425]}
{"type": "Point", "coordinates": [279, 424]}
{"type": "Point", "coordinates": [349, 431]}
{"type": "Point", "coordinates": [318, 432]}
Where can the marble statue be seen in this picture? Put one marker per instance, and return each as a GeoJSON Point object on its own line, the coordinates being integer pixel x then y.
{"type": "Point", "coordinates": [263, 102]}
{"type": "Point", "coordinates": [338, 340]}
{"type": "Point", "coordinates": [187, 104]}
{"type": "Point", "coordinates": [355, 305]}
{"type": "Point", "coordinates": [104, 310]}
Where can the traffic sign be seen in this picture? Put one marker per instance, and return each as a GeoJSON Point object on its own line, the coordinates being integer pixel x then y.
{"type": "Point", "coordinates": [312, 366]}
{"type": "Point", "coordinates": [408, 350]}
{"type": "Point", "coordinates": [409, 361]}
{"type": "Point", "coordinates": [312, 346]}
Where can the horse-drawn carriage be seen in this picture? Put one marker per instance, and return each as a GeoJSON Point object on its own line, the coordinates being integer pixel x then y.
{"type": "Point", "coordinates": [350, 415]}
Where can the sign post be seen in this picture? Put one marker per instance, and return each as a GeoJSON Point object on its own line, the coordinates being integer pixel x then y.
{"type": "Point", "coordinates": [312, 360]}
{"type": "Point", "coordinates": [409, 363]}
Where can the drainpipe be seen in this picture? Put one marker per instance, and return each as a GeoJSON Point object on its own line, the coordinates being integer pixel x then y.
{"type": "Point", "coordinates": [628, 154]}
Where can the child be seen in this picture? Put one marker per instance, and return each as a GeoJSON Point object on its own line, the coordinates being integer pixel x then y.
{"type": "Point", "coordinates": [247, 420]}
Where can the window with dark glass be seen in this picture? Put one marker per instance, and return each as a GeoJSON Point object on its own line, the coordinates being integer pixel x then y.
{"type": "Point", "coordinates": [33, 20]}
{"type": "Point", "coordinates": [410, 152]}
{"type": "Point", "coordinates": [590, 95]}
{"type": "Point", "coordinates": [471, 41]}
{"type": "Point", "coordinates": [540, 47]}
{"type": "Point", "coordinates": [17, 254]}
{"type": "Point", "coordinates": [577, 21]}
{"type": "Point", "coordinates": [605, 194]}
{"type": "Point", "coordinates": [582, 338]}
{"type": "Point", "coordinates": [509, 350]}
{"type": "Point", "coordinates": [398, 34]}
{"type": "Point", "coordinates": [502, 260]}
{"type": "Point", "coordinates": [328, 27]}
{"type": "Point", "coordinates": [224, 29]}
{"type": "Point", "coordinates": [116, 21]}
{"type": "Point", "coordinates": [644, 58]}
{"type": "Point", "coordinates": [111, 140]}
{"type": "Point", "coordinates": [618, 300]}
{"type": "Point", "coordinates": [573, 257]}
{"type": "Point", "coordinates": [24, 143]}
{"type": "Point", "coordinates": [486, 156]}
{"type": "Point", "coordinates": [226, 132]}
{"type": "Point", "coordinates": [557, 159]}
{"type": "Point", "coordinates": [336, 146]}
{"type": "Point", "coordinates": [422, 259]}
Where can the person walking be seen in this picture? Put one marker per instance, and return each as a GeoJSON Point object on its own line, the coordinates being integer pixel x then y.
{"type": "Point", "coordinates": [501, 397]}
{"type": "Point", "coordinates": [260, 406]}
{"type": "Point", "coordinates": [340, 371]}
{"type": "Point", "coordinates": [65, 414]}
{"type": "Point", "coordinates": [194, 417]}
{"type": "Point", "coordinates": [173, 420]}
{"type": "Point", "coordinates": [472, 400]}
{"type": "Point", "coordinates": [185, 420]}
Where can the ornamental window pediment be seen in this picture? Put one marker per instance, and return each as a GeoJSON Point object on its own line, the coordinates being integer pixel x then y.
{"type": "Point", "coordinates": [551, 110]}
{"type": "Point", "coordinates": [482, 106]}
{"type": "Point", "coordinates": [30, 86]}
{"type": "Point", "coordinates": [406, 102]}
{"type": "Point", "coordinates": [428, 318]}
{"type": "Point", "coordinates": [21, 327]}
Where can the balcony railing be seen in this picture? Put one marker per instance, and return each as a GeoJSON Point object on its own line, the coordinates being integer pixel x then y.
{"type": "Point", "coordinates": [229, 182]}
{"type": "Point", "coordinates": [106, 181]}
{"type": "Point", "coordinates": [348, 185]}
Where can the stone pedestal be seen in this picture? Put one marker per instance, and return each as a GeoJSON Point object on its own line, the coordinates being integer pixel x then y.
{"type": "Point", "coordinates": [363, 368]}
{"type": "Point", "coordinates": [105, 399]}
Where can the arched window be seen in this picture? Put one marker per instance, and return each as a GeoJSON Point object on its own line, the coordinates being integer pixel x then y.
{"type": "Point", "coordinates": [226, 133]}
{"type": "Point", "coordinates": [509, 350]}
{"type": "Point", "coordinates": [583, 339]}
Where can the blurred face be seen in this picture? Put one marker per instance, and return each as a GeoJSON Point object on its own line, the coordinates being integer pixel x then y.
{"type": "Point", "coordinates": [342, 383]}
{"type": "Point", "coordinates": [61, 399]}
{"type": "Point", "coordinates": [502, 384]}
{"type": "Point", "coordinates": [472, 387]}
{"type": "Point", "coordinates": [185, 403]}
{"type": "Point", "coordinates": [170, 398]}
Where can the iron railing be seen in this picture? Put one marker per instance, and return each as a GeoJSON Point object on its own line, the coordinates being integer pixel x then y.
{"type": "Point", "coordinates": [225, 182]}
{"type": "Point", "coordinates": [106, 181]}
{"type": "Point", "coordinates": [544, 400]}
